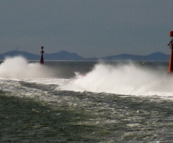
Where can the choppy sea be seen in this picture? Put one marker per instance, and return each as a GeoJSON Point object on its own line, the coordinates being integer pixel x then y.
{"type": "Point", "coordinates": [85, 102]}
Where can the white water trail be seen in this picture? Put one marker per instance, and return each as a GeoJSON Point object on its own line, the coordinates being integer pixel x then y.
{"type": "Point", "coordinates": [18, 67]}
{"type": "Point", "coordinates": [128, 79]}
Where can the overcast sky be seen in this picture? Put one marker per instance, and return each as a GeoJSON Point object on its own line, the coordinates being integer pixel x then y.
{"type": "Point", "coordinates": [87, 27]}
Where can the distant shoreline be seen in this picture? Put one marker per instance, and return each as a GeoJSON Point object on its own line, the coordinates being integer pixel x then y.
{"type": "Point", "coordinates": [67, 56]}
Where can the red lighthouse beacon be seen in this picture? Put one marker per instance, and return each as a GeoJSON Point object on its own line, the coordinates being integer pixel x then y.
{"type": "Point", "coordinates": [42, 58]}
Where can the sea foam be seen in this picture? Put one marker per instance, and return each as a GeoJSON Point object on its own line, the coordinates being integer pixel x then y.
{"type": "Point", "coordinates": [18, 67]}
{"type": "Point", "coordinates": [126, 79]}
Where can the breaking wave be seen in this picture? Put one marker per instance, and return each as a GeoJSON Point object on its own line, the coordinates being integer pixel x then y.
{"type": "Point", "coordinates": [18, 67]}
{"type": "Point", "coordinates": [128, 79]}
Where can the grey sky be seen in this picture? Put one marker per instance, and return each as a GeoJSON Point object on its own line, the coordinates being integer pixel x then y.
{"type": "Point", "coordinates": [87, 27]}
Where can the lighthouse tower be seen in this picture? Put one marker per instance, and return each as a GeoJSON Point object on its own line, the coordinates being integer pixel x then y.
{"type": "Point", "coordinates": [42, 58]}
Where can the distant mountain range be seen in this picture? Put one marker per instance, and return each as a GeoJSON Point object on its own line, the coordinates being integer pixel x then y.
{"type": "Point", "coordinates": [64, 55]}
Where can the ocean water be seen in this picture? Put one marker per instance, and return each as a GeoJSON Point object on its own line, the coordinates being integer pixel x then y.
{"type": "Point", "coordinates": [85, 101]}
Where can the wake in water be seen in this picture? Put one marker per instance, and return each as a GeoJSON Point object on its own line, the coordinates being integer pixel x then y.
{"type": "Point", "coordinates": [18, 67]}
{"type": "Point", "coordinates": [128, 79]}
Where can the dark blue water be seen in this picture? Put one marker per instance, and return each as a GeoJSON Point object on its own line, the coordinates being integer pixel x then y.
{"type": "Point", "coordinates": [63, 109]}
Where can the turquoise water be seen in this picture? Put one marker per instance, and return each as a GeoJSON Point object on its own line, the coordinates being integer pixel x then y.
{"type": "Point", "coordinates": [79, 109]}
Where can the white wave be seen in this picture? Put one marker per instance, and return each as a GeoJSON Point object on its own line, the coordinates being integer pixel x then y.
{"type": "Point", "coordinates": [18, 67]}
{"type": "Point", "coordinates": [124, 79]}
{"type": "Point", "coordinates": [129, 79]}
{"type": "Point", "coordinates": [46, 81]}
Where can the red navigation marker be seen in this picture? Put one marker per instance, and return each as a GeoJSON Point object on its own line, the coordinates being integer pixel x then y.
{"type": "Point", "coordinates": [170, 66]}
{"type": "Point", "coordinates": [42, 58]}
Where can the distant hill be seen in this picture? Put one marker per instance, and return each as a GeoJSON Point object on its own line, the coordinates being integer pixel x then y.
{"type": "Point", "coordinates": [64, 55]}
{"type": "Point", "coordinates": [157, 56]}
{"type": "Point", "coordinates": [27, 55]}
